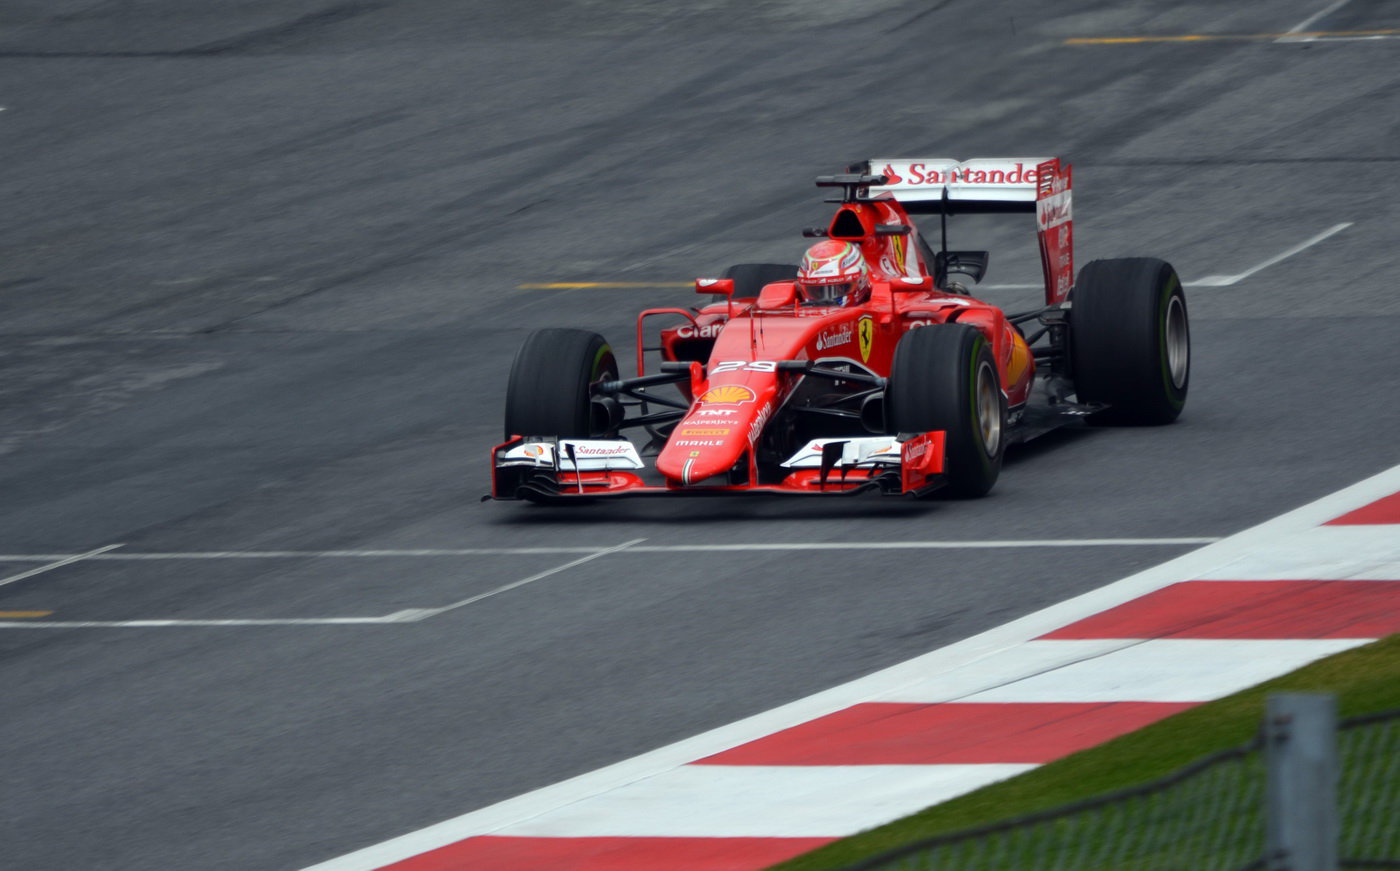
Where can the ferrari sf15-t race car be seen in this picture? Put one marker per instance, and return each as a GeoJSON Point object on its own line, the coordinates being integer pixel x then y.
{"type": "Point", "coordinates": [867, 367]}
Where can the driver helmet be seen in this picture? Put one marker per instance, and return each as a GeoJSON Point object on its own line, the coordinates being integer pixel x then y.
{"type": "Point", "coordinates": [833, 273]}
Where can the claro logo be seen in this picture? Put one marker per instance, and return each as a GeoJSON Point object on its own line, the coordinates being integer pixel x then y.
{"type": "Point", "coordinates": [708, 331]}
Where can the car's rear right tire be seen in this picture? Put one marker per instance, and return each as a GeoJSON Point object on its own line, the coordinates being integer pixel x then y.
{"type": "Point", "coordinates": [944, 377]}
{"type": "Point", "coordinates": [1130, 340]}
{"type": "Point", "coordinates": [548, 393]}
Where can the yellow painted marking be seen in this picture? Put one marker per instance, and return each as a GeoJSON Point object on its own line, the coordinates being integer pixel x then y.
{"type": "Point", "coordinates": [608, 285]}
{"type": "Point", "coordinates": [1227, 37]}
{"type": "Point", "coordinates": [19, 615]}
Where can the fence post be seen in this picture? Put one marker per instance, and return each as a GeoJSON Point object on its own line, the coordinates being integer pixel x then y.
{"type": "Point", "coordinates": [1300, 732]}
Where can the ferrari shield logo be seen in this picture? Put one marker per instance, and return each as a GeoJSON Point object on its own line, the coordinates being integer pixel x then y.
{"type": "Point", "coordinates": [865, 332]}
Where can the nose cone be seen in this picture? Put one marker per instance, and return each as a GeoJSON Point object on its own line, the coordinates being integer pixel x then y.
{"type": "Point", "coordinates": [716, 433]}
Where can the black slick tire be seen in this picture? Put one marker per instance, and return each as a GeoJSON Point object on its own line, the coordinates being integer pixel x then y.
{"type": "Point", "coordinates": [548, 391]}
{"type": "Point", "coordinates": [944, 377]}
{"type": "Point", "coordinates": [1130, 340]}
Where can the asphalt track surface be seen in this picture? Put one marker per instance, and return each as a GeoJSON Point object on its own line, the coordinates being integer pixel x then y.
{"type": "Point", "coordinates": [259, 292]}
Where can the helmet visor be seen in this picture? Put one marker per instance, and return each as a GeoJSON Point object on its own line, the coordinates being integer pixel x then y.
{"type": "Point", "coordinates": [829, 294]}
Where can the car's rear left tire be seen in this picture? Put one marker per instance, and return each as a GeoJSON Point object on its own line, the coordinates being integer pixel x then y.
{"type": "Point", "coordinates": [944, 377]}
{"type": "Point", "coordinates": [548, 393]}
{"type": "Point", "coordinates": [1130, 340]}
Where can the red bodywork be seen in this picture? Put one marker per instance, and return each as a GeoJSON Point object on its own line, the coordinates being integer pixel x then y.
{"type": "Point", "coordinates": [737, 385]}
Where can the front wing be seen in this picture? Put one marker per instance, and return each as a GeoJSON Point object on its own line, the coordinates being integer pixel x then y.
{"type": "Point", "coordinates": [549, 469]}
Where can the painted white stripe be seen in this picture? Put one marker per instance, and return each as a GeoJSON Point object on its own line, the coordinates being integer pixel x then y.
{"type": "Point", "coordinates": [648, 548]}
{"type": "Point", "coordinates": [411, 615]}
{"type": "Point", "coordinates": [1228, 280]}
{"type": "Point", "coordinates": [425, 613]}
{"type": "Point", "coordinates": [1315, 17]}
{"type": "Point", "coordinates": [401, 617]}
{"type": "Point", "coordinates": [763, 801]}
{"type": "Point", "coordinates": [922, 671]}
{"type": "Point", "coordinates": [959, 683]}
{"type": "Point", "coordinates": [1338, 553]}
{"type": "Point", "coordinates": [314, 554]}
{"type": "Point", "coordinates": [63, 561]}
{"type": "Point", "coordinates": [1371, 37]}
{"type": "Point", "coordinates": [1167, 670]}
{"type": "Point", "coordinates": [922, 545]}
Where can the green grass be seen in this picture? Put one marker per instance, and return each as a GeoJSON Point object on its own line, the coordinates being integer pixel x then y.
{"type": "Point", "coordinates": [1365, 680]}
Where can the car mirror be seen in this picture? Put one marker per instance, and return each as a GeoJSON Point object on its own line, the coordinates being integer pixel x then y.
{"type": "Point", "coordinates": [912, 285]}
{"type": "Point", "coordinates": [777, 295]}
{"type": "Point", "coordinates": [721, 286]}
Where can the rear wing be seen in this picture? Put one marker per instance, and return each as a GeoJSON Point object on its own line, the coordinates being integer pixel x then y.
{"type": "Point", "coordinates": [1039, 185]}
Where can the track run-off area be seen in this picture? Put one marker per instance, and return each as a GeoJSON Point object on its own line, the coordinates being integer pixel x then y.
{"type": "Point", "coordinates": [266, 268]}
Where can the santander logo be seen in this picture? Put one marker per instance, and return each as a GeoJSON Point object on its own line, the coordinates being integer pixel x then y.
{"type": "Point", "coordinates": [1011, 173]}
{"type": "Point", "coordinates": [835, 336]}
{"type": "Point", "coordinates": [891, 177]}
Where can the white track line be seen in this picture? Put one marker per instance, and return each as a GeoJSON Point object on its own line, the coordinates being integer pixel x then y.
{"type": "Point", "coordinates": [61, 561]}
{"type": "Point", "coordinates": [400, 617]}
{"type": "Point", "coordinates": [968, 656]}
{"type": "Point", "coordinates": [1311, 19]}
{"type": "Point", "coordinates": [316, 554]}
{"type": "Point", "coordinates": [1219, 280]}
{"type": "Point", "coordinates": [1166, 670]}
{"type": "Point", "coordinates": [649, 548]}
{"type": "Point", "coordinates": [425, 613]}
{"type": "Point", "coordinates": [923, 545]}
{"type": "Point", "coordinates": [1227, 280]}
{"type": "Point", "coordinates": [410, 615]}
{"type": "Point", "coordinates": [1369, 37]}
{"type": "Point", "coordinates": [763, 801]}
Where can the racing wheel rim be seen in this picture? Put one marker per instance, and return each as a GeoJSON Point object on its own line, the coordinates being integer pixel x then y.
{"type": "Point", "coordinates": [1178, 342]}
{"type": "Point", "coordinates": [989, 408]}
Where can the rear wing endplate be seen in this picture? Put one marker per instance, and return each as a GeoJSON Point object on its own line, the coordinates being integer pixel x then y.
{"type": "Point", "coordinates": [989, 185]}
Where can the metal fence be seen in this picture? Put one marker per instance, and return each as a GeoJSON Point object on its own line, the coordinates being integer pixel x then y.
{"type": "Point", "coordinates": [1368, 796]}
{"type": "Point", "coordinates": [1213, 815]}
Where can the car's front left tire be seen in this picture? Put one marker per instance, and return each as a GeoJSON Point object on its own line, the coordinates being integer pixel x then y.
{"type": "Point", "coordinates": [549, 389]}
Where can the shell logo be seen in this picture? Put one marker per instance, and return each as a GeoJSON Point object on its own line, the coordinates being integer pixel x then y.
{"type": "Point", "coordinates": [730, 394]}
{"type": "Point", "coordinates": [534, 450]}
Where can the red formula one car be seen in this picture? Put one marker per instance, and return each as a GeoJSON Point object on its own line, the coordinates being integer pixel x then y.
{"type": "Point", "coordinates": [865, 367]}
